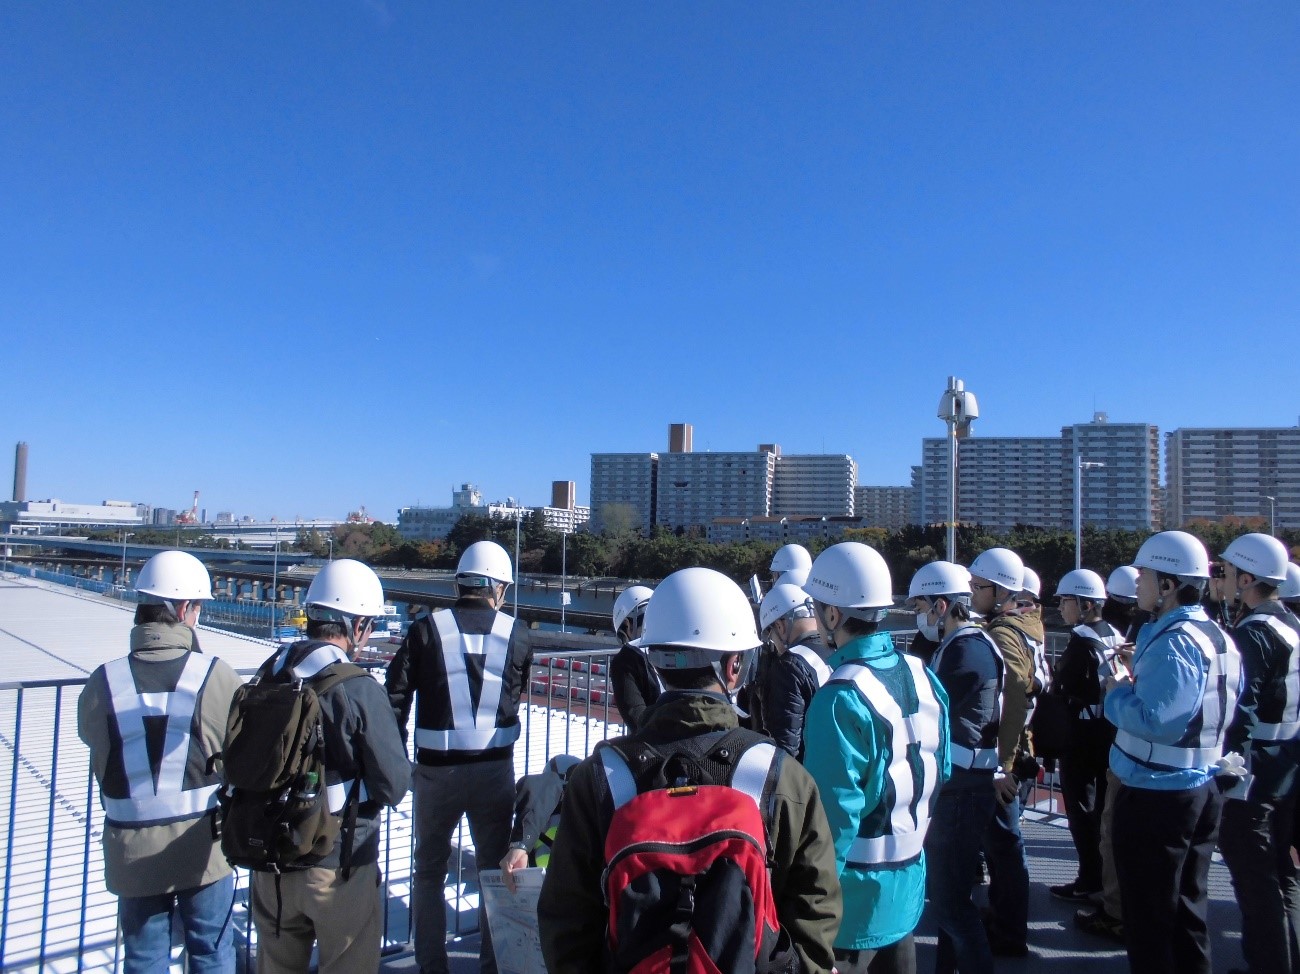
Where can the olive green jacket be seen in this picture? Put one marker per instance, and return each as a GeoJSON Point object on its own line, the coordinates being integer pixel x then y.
{"type": "Point", "coordinates": [1005, 629]}
{"type": "Point", "coordinates": [154, 859]}
{"type": "Point", "coordinates": [572, 915]}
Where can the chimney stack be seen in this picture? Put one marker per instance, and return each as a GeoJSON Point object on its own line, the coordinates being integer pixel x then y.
{"type": "Point", "coordinates": [20, 473]}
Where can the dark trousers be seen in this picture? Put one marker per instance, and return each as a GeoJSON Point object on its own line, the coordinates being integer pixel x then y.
{"type": "Point", "coordinates": [1163, 842]}
{"type": "Point", "coordinates": [1255, 840]}
{"type": "Point", "coordinates": [1004, 854]}
{"type": "Point", "coordinates": [1083, 789]}
{"type": "Point", "coordinates": [952, 851]}
{"type": "Point", "coordinates": [897, 958]}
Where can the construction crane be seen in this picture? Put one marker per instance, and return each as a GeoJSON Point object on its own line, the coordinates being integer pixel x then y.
{"type": "Point", "coordinates": [192, 515]}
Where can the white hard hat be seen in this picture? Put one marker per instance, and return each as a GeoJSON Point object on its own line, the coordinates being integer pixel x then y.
{"type": "Point", "coordinates": [695, 617]}
{"type": "Point", "coordinates": [780, 602]}
{"type": "Point", "coordinates": [939, 578]}
{"type": "Point", "coordinates": [485, 559]}
{"type": "Point", "coordinates": [1123, 584]}
{"type": "Point", "coordinates": [1260, 554]}
{"type": "Point", "coordinates": [1082, 583]}
{"type": "Point", "coordinates": [349, 587]}
{"type": "Point", "coordinates": [176, 576]}
{"type": "Point", "coordinates": [1174, 553]}
{"type": "Point", "coordinates": [1031, 583]}
{"type": "Point", "coordinates": [851, 575]}
{"type": "Point", "coordinates": [1290, 589]}
{"type": "Point", "coordinates": [1001, 566]}
{"type": "Point", "coordinates": [628, 601]}
{"type": "Point", "coordinates": [795, 576]}
{"type": "Point", "coordinates": [791, 556]}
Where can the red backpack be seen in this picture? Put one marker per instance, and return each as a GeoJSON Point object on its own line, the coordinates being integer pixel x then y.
{"type": "Point", "coordinates": [688, 852]}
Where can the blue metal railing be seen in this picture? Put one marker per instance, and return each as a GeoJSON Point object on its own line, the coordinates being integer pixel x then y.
{"type": "Point", "coordinates": [49, 849]}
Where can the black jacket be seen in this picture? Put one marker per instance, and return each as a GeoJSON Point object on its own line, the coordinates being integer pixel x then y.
{"type": "Point", "coordinates": [418, 673]}
{"type": "Point", "coordinates": [789, 686]}
{"type": "Point", "coordinates": [1265, 659]}
{"type": "Point", "coordinates": [635, 685]}
{"type": "Point", "coordinates": [360, 733]}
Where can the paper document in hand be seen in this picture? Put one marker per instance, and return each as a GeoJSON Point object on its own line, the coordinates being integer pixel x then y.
{"type": "Point", "coordinates": [513, 919]}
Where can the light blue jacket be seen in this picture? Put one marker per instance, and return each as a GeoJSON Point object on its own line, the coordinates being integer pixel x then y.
{"type": "Point", "coordinates": [1169, 672]}
{"type": "Point", "coordinates": [847, 753]}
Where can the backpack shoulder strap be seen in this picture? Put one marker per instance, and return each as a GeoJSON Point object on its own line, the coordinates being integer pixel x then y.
{"type": "Point", "coordinates": [334, 674]}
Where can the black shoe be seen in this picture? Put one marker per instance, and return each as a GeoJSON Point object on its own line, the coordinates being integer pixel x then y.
{"type": "Point", "coordinates": [1101, 924]}
{"type": "Point", "coordinates": [1073, 892]}
{"type": "Point", "coordinates": [1006, 947]}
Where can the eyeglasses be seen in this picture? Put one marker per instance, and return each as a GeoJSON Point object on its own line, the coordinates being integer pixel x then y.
{"type": "Point", "coordinates": [976, 587]}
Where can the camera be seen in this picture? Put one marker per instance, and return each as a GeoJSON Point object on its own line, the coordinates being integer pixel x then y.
{"type": "Point", "coordinates": [1216, 569]}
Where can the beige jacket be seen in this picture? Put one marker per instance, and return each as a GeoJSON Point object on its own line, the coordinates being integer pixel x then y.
{"type": "Point", "coordinates": [154, 859]}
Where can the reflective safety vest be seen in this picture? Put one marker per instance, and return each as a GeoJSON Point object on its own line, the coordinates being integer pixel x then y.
{"type": "Point", "coordinates": [1273, 724]}
{"type": "Point", "coordinates": [546, 841]}
{"type": "Point", "coordinates": [749, 776]}
{"type": "Point", "coordinates": [336, 787]}
{"type": "Point", "coordinates": [913, 772]}
{"type": "Point", "coordinates": [1042, 672]}
{"type": "Point", "coordinates": [473, 728]}
{"type": "Point", "coordinates": [163, 792]}
{"type": "Point", "coordinates": [978, 753]}
{"type": "Point", "coordinates": [815, 662]}
{"type": "Point", "coordinates": [1103, 640]}
{"type": "Point", "coordinates": [1202, 742]}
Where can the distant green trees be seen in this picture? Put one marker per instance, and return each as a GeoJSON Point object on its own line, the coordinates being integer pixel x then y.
{"type": "Point", "coordinates": [624, 553]}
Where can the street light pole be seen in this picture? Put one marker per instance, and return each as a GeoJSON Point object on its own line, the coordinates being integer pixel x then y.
{"type": "Point", "coordinates": [275, 579]}
{"type": "Point", "coordinates": [1080, 464]}
{"type": "Point", "coordinates": [564, 576]}
{"type": "Point", "coordinates": [518, 515]}
{"type": "Point", "coordinates": [122, 578]}
{"type": "Point", "coordinates": [1272, 515]}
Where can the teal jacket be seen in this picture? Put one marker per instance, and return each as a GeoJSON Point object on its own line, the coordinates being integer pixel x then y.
{"type": "Point", "coordinates": [847, 751]}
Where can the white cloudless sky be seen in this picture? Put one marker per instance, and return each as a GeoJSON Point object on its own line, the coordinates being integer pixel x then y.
{"type": "Point", "coordinates": [304, 258]}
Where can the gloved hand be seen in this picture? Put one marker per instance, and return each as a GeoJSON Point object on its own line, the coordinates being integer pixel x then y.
{"type": "Point", "coordinates": [1231, 764]}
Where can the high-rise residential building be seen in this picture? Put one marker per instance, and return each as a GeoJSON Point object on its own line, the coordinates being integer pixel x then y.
{"type": "Point", "coordinates": [885, 507]}
{"type": "Point", "coordinates": [1214, 473]}
{"type": "Point", "coordinates": [779, 530]}
{"type": "Point", "coordinates": [813, 483]}
{"type": "Point", "coordinates": [623, 491]}
{"type": "Point", "coordinates": [1011, 480]}
{"type": "Point", "coordinates": [1123, 493]}
{"type": "Point", "coordinates": [695, 488]}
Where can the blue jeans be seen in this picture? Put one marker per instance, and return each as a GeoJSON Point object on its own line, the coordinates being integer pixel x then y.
{"type": "Point", "coordinates": [952, 848]}
{"type": "Point", "coordinates": [1004, 853]}
{"type": "Point", "coordinates": [205, 914]}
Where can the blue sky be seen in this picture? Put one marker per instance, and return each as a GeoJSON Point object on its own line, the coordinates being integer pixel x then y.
{"type": "Point", "coordinates": [309, 256]}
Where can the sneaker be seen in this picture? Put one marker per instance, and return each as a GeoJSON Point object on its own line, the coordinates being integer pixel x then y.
{"type": "Point", "coordinates": [1101, 924]}
{"type": "Point", "coordinates": [1073, 892]}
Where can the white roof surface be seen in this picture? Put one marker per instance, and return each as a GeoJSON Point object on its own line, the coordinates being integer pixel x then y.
{"type": "Point", "coordinates": [50, 632]}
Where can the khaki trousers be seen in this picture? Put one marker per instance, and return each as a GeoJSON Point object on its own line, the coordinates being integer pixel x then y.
{"type": "Point", "coordinates": [318, 906]}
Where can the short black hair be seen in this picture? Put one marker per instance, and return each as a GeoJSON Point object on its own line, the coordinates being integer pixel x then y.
{"type": "Point", "coordinates": [694, 678]}
{"type": "Point", "coordinates": [322, 629]}
{"type": "Point", "coordinates": [147, 612]}
{"type": "Point", "coordinates": [1186, 593]}
{"type": "Point", "coordinates": [858, 627]}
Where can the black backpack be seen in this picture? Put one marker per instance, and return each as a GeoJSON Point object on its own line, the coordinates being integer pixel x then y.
{"type": "Point", "coordinates": [275, 814]}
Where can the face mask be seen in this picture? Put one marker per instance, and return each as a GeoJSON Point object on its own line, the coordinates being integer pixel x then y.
{"type": "Point", "coordinates": [928, 629]}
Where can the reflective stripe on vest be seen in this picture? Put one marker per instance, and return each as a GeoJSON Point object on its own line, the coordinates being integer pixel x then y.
{"type": "Point", "coordinates": [750, 774]}
{"type": "Point", "coordinates": [815, 662]}
{"type": "Point", "coordinates": [309, 667]}
{"type": "Point", "coordinates": [1042, 673]}
{"type": "Point", "coordinates": [474, 729]}
{"type": "Point", "coordinates": [1201, 748]}
{"type": "Point", "coordinates": [976, 758]}
{"type": "Point", "coordinates": [168, 799]}
{"type": "Point", "coordinates": [1289, 726]}
{"type": "Point", "coordinates": [907, 824]}
{"type": "Point", "coordinates": [338, 795]}
{"type": "Point", "coordinates": [1105, 664]}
